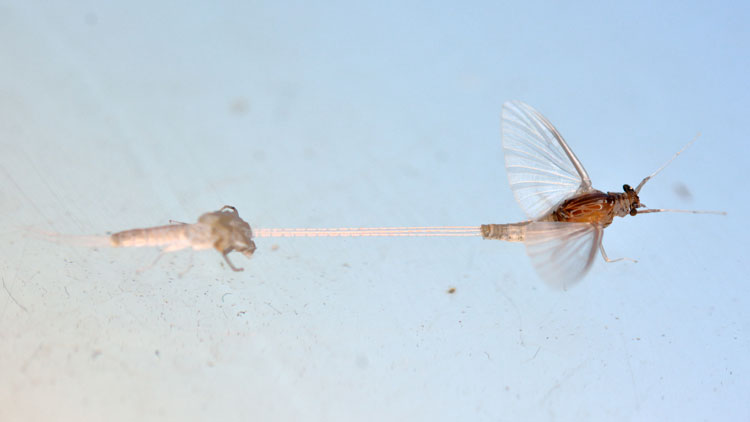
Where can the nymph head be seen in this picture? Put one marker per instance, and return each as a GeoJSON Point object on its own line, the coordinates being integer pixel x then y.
{"type": "Point", "coordinates": [230, 231]}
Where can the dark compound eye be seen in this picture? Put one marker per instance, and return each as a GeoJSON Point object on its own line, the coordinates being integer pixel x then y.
{"type": "Point", "coordinates": [633, 211]}
{"type": "Point", "coordinates": [626, 188]}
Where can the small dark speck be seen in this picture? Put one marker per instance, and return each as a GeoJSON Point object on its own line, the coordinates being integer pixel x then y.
{"type": "Point", "coordinates": [682, 191]}
{"type": "Point", "coordinates": [239, 106]}
{"type": "Point", "coordinates": [157, 353]}
{"type": "Point", "coordinates": [240, 313]}
{"type": "Point", "coordinates": [362, 362]}
{"type": "Point", "coordinates": [451, 290]}
{"type": "Point", "coordinates": [346, 265]}
{"type": "Point", "coordinates": [637, 339]}
{"type": "Point", "coordinates": [91, 19]}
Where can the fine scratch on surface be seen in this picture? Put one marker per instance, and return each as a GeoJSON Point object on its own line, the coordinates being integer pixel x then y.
{"type": "Point", "coordinates": [535, 353]}
{"type": "Point", "coordinates": [565, 376]}
{"type": "Point", "coordinates": [40, 349]}
{"type": "Point", "coordinates": [14, 299]}
{"type": "Point", "coordinates": [272, 307]}
{"type": "Point", "coordinates": [22, 192]}
{"type": "Point", "coordinates": [518, 315]}
{"type": "Point", "coordinates": [630, 370]}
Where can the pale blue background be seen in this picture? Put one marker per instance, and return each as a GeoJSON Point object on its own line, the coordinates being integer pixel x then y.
{"type": "Point", "coordinates": [114, 116]}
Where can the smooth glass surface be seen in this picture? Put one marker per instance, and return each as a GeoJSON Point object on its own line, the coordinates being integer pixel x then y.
{"type": "Point", "coordinates": [117, 115]}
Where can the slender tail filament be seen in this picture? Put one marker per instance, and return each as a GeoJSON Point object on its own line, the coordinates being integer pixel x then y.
{"type": "Point", "coordinates": [442, 231]}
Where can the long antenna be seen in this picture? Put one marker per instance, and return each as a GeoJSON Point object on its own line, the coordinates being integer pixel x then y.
{"type": "Point", "coordinates": [643, 182]}
{"type": "Point", "coordinates": [646, 211]}
{"type": "Point", "coordinates": [441, 231]}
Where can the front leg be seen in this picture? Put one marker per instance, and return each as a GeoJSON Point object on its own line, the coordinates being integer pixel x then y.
{"type": "Point", "coordinates": [604, 255]}
{"type": "Point", "coordinates": [226, 258]}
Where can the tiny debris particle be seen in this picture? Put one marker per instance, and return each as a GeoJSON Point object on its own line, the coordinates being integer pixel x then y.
{"type": "Point", "coordinates": [274, 247]}
{"type": "Point", "coordinates": [91, 19]}
{"type": "Point", "coordinates": [361, 362]}
{"type": "Point", "coordinates": [451, 290]}
{"type": "Point", "coordinates": [682, 191]}
{"type": "Point", "coordinates": [239, 106]}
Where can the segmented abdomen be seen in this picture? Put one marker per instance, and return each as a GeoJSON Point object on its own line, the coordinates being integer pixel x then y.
{"type": "Point", "coordinates": [172, 235]}
{"type": "Point", "coordinates": [515, 232]}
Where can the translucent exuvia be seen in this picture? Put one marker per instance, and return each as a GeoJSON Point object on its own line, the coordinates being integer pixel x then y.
{"type": "Point", "coordinates": [222, 230]}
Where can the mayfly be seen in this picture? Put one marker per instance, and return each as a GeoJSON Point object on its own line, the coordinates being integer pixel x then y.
{"type": "Point", "coordinates": [222, 230]}
{"type": "Point", "coordinates": [567, 216]}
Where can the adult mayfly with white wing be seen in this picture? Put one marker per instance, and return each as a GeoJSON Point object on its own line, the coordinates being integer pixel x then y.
{"type": "Point", "coordinates": [567, 216]}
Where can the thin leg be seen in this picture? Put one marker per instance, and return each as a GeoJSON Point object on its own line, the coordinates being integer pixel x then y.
{"type": "Point", "coordinates": [176, 222]}
{"type": "Point", "coordinates": [226, 258]}
{"type": "Point", "coordinates": [162, 252]}
{"type": "Point", "coordinates": [151, 265]}
{"type": "Point", "coordinates": [604, 255]}
{"type": "Point", "coordinates": [189, 267]}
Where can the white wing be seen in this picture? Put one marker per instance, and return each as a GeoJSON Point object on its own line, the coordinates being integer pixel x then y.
{"type": "Point", "coordinates": [562, 253]}
{"type": "Point", "coordinates": [542, 169]}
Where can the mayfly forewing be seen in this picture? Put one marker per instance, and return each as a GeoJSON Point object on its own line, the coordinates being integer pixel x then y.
{"type": "Point", "coordinates": [562, 253]}
{"type": "Point", "coordinates": [542, 169]}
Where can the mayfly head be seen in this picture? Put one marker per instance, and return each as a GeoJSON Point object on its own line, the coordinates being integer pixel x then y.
{"type": "Point", "coordinates": [632, 199]}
